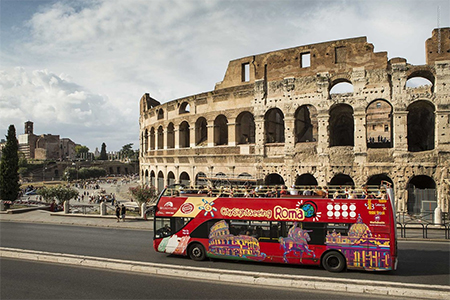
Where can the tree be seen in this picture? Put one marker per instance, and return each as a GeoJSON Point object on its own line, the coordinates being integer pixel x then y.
{"type": "Point", "coordinates": [80, 150]}
{"type": "Point", "coordinates": [143, 194]}
{"type": "Point", "coordinates": [103, 155]}
{"type": "Point", "coordinates": [9, 167]}
{"type": "Point", "coordinates": [126, 151]}
{"type": "Point", "coordinates": [61, 193]}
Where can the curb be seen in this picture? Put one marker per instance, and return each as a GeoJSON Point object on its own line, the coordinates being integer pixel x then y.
{"type": "Point", "coordinates": [256, 278]}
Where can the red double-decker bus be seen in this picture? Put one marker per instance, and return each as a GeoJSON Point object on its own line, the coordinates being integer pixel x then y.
{"type": "Point", "coordinates": [337, 234]}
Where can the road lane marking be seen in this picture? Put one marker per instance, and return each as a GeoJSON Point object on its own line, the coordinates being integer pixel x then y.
{"type": "Point", "coordinates": [256, 278]}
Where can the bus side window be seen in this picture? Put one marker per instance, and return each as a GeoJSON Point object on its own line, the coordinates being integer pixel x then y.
{"type": "Point", "coordinates": [178, 223]}
{"type": "Point", "coordinates": [316, 232]}
{"type": "Point", "coordinates": [202, 231]}
{"type": "Point", "coordinates": [162, 227]}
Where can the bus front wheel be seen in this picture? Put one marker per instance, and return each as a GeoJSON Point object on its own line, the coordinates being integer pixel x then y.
{"type": "Point", "coordinates": [333, 261]}
{"type": "Point", "coordinates": [197, 252]}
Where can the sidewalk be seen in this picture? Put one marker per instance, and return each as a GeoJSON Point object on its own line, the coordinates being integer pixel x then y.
{"type": "Point", "coordinates": [46, 217]}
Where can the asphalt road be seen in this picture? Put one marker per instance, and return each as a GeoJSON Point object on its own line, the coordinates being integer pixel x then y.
{"type": "Point", "coordinates": [420, 262]}
{"type": "Point", "coordinates": [51, 281]}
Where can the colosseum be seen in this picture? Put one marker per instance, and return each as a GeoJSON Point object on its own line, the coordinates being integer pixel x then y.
{"type": "Point", "coordinates": [279, 118]}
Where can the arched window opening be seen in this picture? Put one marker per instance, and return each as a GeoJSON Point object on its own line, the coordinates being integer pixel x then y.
{"type": "Point", "coordinates": [146, 141]}
{"type": "Point", "coordinates": [420, 126]}
{"type": "Point", "coordinates": [160, 114]}
{"type": "Point", "coordinates": [170, 178]}
{"type": "Point", "coordinates": [160, 137]}
{"type": "Point", "coordinates": [274, 126]}
{"type": "Point", "coordinates": [341, 126]}
{"type": "Point", "coordinates": [184, 108]}
{"type": "Point", "coordinates": [152, 179]}
{"type": "Point", "coordinates": [379, 124]}
{"type": "Point", "coordinates": [342, 88]}
{"type": "Point", "coordinates": [145, 177]}
{"type": "Point", "coordinates": [422, 198]}
{"type": "Point", "coordinates": [245, 128]}
{"type": "Point", "coordinates": [200, 179]}
{"type": "Point", "coordinates": [421, 81]}
{"type": "Point", "coordinates": [184, 141]}
{"type": "Point", "coordinates": [274, 179]}
{"type": "Point", "coordinates": [306, 180]}
{"type": "Point", "coordinates": [306, 124]}
{"type": "Point", "coordinates": [170, 136]}
{"type": "Point", "coordinates": [160, 181]}
{"type": "Point", "coordinates": [152, 139]}
{"type": "Point", "coordinates": [342, 180]}
{"type": "Point", "coordinates": [376, 180]}
{"type": "Point", "coordinates": [185, 179]}
{"type": "Point", "coordinates": [201, 132]}
{"type": "Point", "coordinates": [221, 130]}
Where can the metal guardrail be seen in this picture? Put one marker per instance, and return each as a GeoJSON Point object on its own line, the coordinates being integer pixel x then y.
{"type": "Point", "coordinates": [406, 221]}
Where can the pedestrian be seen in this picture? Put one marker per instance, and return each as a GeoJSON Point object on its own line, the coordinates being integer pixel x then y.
{"type": "Point", "coordinates": [118, 210]}
{"type": "Point", "coordinates": [123, 210]}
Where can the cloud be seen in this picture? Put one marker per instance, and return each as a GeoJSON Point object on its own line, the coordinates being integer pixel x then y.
{"type": "Point", "coordinates": [57, 105]}
{"type": "Point", "coordinates": [112, 52]}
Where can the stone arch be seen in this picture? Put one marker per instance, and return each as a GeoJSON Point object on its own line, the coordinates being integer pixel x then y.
{"type": "Point", "coordinates": [341, 125]}
{"type": "Point", "coordinates": [184, 138]}
{"type": "Point", "coordinates": [274, 179]}
{"type": "Point", "coordinates": [422, 198]}
{"type": "Point", "coordinates": [170, 136]}
{"type": "Point", "coordinates": [306, 124]}
{"type": "Point", "coordinates": [417, 73]}
{"type": "Point", "coordinates": [146, 141]}
{"type": "Point", "coordinates": [376, 179]}
{"type": "Point", "coordinates": [342, 180]}
{"type": "Point", "coordinates": [221, 130]}
{"type": "Point", "coordinates": [305, 179]}
{"type": "Point", "coordinates": [160, 137]}
{"type": "Point", "coordinates": [185, 108]}
{"type": "Point", "coordinates": [152, 179]}
{"type": "Point", "coordinates": [201, 132]}
{"type": "Point", "coordinates": [185, 179]}
{"type": "Point", "coordinates": [170, 178]}
{"type": "Point", "coordinates": [160, 115]}
{"type": "Point", "coordinates": [245, 128]}
{"type": "Point", "coordinates": [152, 138]}
{"type": "Point", "coordinates": [200, 179]}
{"type": "Point", "coordinates": [340, 85]}
{"type": "Point", "coordinates": [379, 124]}
{"type": "Point", "coordinates": [160, 181]}
{"type": "Point", "coordinates": [145, 177]}
{"type": "Point", "coordinates": [274, 126]}
{"type": "Point", "coordinates": [421, 123]}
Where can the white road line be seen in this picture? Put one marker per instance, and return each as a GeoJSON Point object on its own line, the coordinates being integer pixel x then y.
{"type": "Point", "coordinates": [257, 278]}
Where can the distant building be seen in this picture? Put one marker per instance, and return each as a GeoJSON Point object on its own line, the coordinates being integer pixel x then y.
{"type": "Point", "coordinates": [45, 146]}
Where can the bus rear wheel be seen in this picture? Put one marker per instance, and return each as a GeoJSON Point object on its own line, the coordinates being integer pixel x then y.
{"type": "Point", "coordinates": [333, 261]}
{"type": "Point", "coordinates": [197, 252]}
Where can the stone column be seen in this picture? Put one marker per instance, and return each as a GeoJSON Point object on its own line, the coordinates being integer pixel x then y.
{"type": "Point", "coordinates": [177, 138]}
{"type": "Point", "coordinates": [210, 128]}
{"type": "Point", "coordinates": [322, 132]}
{"type": "Point", "coordinates": [192, 136]}
{"type": "Point", "coordinates": [289, 134]}
{"type": "Point", "coordinates": [232, 134]}
{"type": "Point", "coordinates": [359, 118]}
{"type": "Point", "coordinates": [165, 141]}
{"type": "Point", "coordinates": [400, 128]}
{"type": "Point", "coordinates": [259, 135]}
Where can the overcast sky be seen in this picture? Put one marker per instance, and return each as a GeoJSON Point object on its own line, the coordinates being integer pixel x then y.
{"type": "Point", "coordinates": [78, 68]}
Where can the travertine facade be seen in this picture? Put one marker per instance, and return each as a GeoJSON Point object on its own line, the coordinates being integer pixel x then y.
{"type": "Point", "coordinates": [274, 118]}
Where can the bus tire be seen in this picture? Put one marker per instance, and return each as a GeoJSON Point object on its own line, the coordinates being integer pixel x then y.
{"type": "Point", "coordinates": [197, 252]}
{"type": "Point", "coordinates": [334, 261]}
